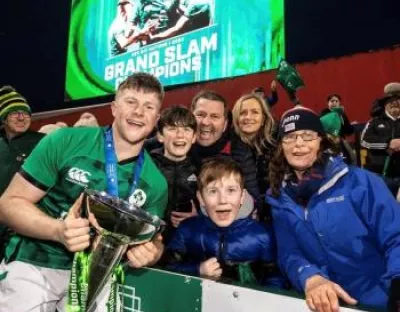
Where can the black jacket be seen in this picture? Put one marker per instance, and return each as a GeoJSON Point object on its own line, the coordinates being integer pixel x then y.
{"type": "Point", "coordinates": [12, 155]}
{"type": "Point", "coordinates": [222, 147]}
{"type": "Point", "coordinates": [182, 182]}
{"type": "Point", "coordinates": [376, 137]}
{"type": "Point", "coordinates": [255, 167]}
{"type": "Point", "coordinates": [347, 127]}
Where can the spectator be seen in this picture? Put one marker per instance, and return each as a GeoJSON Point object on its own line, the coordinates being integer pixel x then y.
{"type": "Point", "coordinates": [337, 226]}
{"type": "Point", "coordinates": [16, 141]}
{"type": "Point", "coordinates": [213, 133]}
{"type": "Point", "coordinates": [332, 124]}
{"type": "Point", "coordinates": [253, 144]}
{"type": "Point", "coordinates": [177, 131]}
{"type": "Point", "coordinates": [381, 138]}
{"type": "Point", "coordinates": [270, 100]}
{"type": "Point", "coordinates": [334, 100]}
{"type": "Point", "coordinates": [227, 240]}
{"type": "Point", "coordinates": [378, 106]}
{"type": "Point", "coordinates": [87, 120]}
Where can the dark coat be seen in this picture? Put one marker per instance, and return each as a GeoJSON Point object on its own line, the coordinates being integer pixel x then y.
{"type": "Point", "coordinates": [376, 137]}
{"type": "Point", "coordinates": [255, 167]}
{"type": "Point", "coordinates": [182, 182]}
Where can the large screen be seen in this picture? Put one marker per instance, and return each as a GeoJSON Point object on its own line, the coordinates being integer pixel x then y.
{"type": "Point", "coordinates": [179, 41]}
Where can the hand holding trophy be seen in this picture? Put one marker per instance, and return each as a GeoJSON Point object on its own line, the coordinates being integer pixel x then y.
{"type": "Point", "coordinates": [117, 225]}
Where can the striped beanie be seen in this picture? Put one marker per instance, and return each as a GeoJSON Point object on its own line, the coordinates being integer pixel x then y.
{"type": "Point", "coordinates": [11, 101]}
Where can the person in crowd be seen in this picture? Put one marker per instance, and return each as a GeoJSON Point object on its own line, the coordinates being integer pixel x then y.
{"type": "Point", "coordinates": [48, 193]}
{"type": "Point", "coordinates": [378, 106]}
{"type": "Point", "coordinates": [228, 243]}
{"type": "Point", "coordinates": [336, 226]}
{"type": "Point", "coordinates": [16, 142]}
{"type": "Point", "coordinates": [87, 120]}
{"type": "Point", "coordinates": [213, 130]}
{"type": "Point", "coordinates": [335, 100]}
{"type": "Point", "coordinates": [270, 100]}
{"type": "Point", "coordinates": [332, 124]}
{"type": "Point", "coordinates": [177, 132]}
{"type": "Point", "coordinates": [381, 138]}
{"type": "Point", "coordinates": [253, 144]}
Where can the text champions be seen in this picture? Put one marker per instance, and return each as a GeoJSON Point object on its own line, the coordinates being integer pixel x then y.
{"type": "Point", "coordinates": [167, 59]}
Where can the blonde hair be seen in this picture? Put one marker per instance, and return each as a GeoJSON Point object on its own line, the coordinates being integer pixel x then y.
{"type": "Point", "coordinates": [264, 135]}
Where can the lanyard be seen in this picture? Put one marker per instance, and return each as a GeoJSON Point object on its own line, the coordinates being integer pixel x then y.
{"type": "Point", "coordinates": [111, 166]}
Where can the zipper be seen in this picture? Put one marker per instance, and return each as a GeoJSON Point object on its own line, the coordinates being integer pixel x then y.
{"type": "Point", "coordinates": [221, 249]}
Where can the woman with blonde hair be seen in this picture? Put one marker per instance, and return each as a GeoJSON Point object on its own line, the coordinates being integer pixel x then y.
{"type": "Point", "coordinates": [252, 144]}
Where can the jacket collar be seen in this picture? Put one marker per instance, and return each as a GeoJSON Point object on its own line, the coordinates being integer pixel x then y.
{"type": "Point", "coordinates": [335, 169]}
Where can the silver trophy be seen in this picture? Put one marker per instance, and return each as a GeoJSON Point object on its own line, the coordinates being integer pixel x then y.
{"type": "Point", "coordinates": [118, 225]}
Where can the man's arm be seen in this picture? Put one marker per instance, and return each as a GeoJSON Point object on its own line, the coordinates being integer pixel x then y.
{"type": "Point", "coordinates": [172, 30]}
{"type": "Point", "coordinates": [18, 211]}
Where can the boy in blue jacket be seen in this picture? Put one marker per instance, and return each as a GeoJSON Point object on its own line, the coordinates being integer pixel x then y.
{"type": "Point", "coordinates": [224, 241]}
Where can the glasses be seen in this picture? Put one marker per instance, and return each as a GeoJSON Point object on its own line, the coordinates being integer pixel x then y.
{"type": "Point", "coordinates": [305, 136]}
{"type": "Point", "coordinates": [18, 114]}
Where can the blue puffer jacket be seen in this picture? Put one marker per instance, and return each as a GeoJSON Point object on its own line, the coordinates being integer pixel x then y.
{"type": "Point", "coordinates": [349, 233]}
{"type": "Point", "coordinates": [198, 239]}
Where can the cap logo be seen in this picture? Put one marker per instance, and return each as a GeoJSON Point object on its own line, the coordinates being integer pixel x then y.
{"type": "Point", "coordinates": [290, 127]}
{"type": "Point", "coordinates": [290, 119]}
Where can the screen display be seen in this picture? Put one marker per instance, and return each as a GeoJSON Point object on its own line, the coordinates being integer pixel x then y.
{"type": "Point", "coordinates": [179, 41]}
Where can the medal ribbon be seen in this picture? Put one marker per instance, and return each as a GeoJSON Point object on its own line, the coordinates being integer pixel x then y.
{"type": "Point", "coordinates": [79, 282]}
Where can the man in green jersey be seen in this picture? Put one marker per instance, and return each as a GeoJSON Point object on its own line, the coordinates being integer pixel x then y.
{"type": "Point", "coordinates": [43, 200]}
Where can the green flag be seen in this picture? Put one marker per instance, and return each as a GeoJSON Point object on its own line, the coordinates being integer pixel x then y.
{"type": "Point", "coordinates": [332, 122]}
{"type": "Point", "coordinates": [290, 79]}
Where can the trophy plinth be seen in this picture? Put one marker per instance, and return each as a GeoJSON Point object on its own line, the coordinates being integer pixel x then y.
{"type": "Point", "coordinates": [118, 224]}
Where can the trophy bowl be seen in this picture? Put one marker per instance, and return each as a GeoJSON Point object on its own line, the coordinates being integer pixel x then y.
{"type": "Point", "coordinates": [120, 218]}
{"type": "Point", "coordinates": [117, 225]}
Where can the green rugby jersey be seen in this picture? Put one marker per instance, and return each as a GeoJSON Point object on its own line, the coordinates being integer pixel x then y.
{"type": "Point", "coordinates": [63, 164]}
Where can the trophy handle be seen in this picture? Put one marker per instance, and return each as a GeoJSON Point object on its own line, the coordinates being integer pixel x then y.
{"type": "Point", "coordinates": [85, 210]}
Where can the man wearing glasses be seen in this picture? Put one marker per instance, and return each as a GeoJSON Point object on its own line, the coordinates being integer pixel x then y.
{"type": "Point", "coordinates": [16, 141]}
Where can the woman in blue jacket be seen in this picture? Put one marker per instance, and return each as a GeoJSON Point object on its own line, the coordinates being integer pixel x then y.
{"type": "Point", "coordinates": [337, 226]}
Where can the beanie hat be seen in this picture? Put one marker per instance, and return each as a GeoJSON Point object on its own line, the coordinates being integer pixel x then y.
{"type": "Point", "coordinates": [299, 118]}
{"type": "Point", "coordinates": [11, 101]}
{"type": "Point", "coordinates": [332, 122]}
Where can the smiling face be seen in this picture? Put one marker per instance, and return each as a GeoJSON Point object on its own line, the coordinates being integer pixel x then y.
{"type": "Point", "coordinates": [251, 117]}
{"type": "Point", "coordinates": [222, 199]}
{"type": "Point", "coordinates": [211, 121]}
{"type": "Point", "coordinates": [301, 154]}
{"type": "Point", "coordinates": [177, 141]}
{"type": "Point", "coordinates": [135, 114]}
{"type": "Point", "coordinates": [17, 123]}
